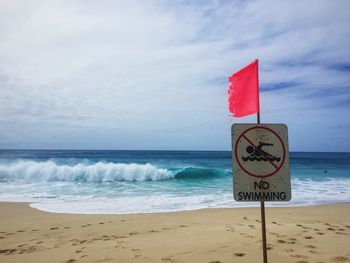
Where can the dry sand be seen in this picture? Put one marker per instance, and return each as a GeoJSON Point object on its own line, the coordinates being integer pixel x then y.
{"type": "Point", "coordinates": [298, 234]}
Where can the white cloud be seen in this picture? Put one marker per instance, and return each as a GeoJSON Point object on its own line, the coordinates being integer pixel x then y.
{"type": "Point", "coordinates": [117, 74]}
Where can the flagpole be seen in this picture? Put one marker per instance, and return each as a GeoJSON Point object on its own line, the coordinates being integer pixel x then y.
{"type": "Point", "coordinates": [262, 203]}
{"type": "Point", "coordinates": [262, 211]}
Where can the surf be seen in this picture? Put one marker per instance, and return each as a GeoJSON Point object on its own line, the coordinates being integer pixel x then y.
{"type": "Point", "coordinates": [35, 171]}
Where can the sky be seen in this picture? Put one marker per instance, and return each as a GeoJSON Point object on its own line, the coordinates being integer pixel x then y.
{"type": "Point", "coordinates": [152, 75]}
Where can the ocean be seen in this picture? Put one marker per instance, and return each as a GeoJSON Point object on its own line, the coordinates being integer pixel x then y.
{"type": "Point", "coordinates": [120, 182]}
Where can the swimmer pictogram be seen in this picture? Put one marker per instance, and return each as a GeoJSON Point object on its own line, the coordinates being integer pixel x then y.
{"type": "Point", "coordinates": [259, 151]}
{"type": "Point", "coordinates": [256, 153]}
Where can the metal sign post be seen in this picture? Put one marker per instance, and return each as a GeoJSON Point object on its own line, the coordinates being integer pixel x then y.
{"type": "Point", "coordinates": [262, 214]}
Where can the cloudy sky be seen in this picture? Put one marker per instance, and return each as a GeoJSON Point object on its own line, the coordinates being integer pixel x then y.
{"type": "Point", "coordinates": [153, 74]}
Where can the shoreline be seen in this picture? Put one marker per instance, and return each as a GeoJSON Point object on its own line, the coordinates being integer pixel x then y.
{"type": "Point", "coordinates": [267, 205]}
{"type": "Point", "coordinates": [251, 205]}
{"type": "Point", "coordinates": [294, 234]}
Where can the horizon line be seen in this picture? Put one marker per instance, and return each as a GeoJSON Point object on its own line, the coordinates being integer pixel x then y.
{"type": "Point", "coordinates": [149, 150]}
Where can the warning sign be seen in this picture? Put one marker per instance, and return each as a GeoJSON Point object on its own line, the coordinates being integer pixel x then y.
{"type": "Point", "coordinates": [260, 162]}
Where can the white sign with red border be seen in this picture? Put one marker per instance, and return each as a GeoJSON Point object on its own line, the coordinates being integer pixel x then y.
{"type": "Point", "coordinates": [260, 162]}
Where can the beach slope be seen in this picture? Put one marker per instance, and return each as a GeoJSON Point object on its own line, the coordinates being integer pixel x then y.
{"type": "Point", "coordinates": [295, 234]}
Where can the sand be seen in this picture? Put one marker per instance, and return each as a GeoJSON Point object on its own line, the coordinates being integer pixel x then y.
{"type": "Point", "coordinates": [295, 234]}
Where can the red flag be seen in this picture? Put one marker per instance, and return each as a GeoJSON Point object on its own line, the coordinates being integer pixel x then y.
{"type": "Point", "coordinates": [243, 93]}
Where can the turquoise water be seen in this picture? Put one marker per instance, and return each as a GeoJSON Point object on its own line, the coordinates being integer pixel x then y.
{"type": "Point", "coordinates": [154, 181]}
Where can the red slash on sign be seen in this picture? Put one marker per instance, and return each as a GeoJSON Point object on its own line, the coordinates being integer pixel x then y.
{"type": "Point", "coordinates": [254, 163]}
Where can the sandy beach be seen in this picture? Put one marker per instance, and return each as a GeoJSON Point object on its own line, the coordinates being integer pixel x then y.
{"type": "Point", "coordinates": [298, 234]}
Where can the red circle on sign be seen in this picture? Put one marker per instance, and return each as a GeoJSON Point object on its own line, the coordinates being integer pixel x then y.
{"type": "Point", "coordinates": [255, 175]}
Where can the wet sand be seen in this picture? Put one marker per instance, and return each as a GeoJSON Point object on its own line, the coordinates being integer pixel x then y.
{"type": "Point", "coordinates": [297, 234]}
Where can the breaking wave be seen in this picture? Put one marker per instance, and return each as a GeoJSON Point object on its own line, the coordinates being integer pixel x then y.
{"type": "Point", "coordinates": [49, 171]}
{"type": "Point", "coordinates": [33, 171]}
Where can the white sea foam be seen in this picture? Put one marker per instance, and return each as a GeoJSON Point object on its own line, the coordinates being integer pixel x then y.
{"type": "Point", "coordinates": [304, 192]}
{"type": "Point", "coordinates": [33, 171]}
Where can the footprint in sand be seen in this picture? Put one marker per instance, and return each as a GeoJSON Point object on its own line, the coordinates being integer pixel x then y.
{"type": "Point", "coordinates": [310, 246]}
{"type": "Point", "coordinates": [298, 256]}
{"type": "Point", "coordinates": [215, 261]}
{"type": "Point", "coordinates": [309, 237]}
{"type": "Point", "coordinates": [230, 229]}
{"type": "Point", "coordinates": [53, 228]}
{"type": "Point", "coordinates": [72, 260]}
{"type": "Point", "coordinates": [22, 245]}
{"type": "Point", "coordinates": [21, 231]}
{"type": "Point", "coordinates": [239, 254]}
{"type": "Point", "coordinates": [275, 223]}
{"type": "Point", "coordinates": [340, 259]}
{"type": "Point", "coordinates": [269, 247]}
{"type": "Point", "coordinates": [9, 251]}
{"type": "Point", "coordinates": [167, 260]}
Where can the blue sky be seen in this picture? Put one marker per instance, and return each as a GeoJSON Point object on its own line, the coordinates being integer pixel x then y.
{"type": "Point", "coordinates": [153, 74]}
